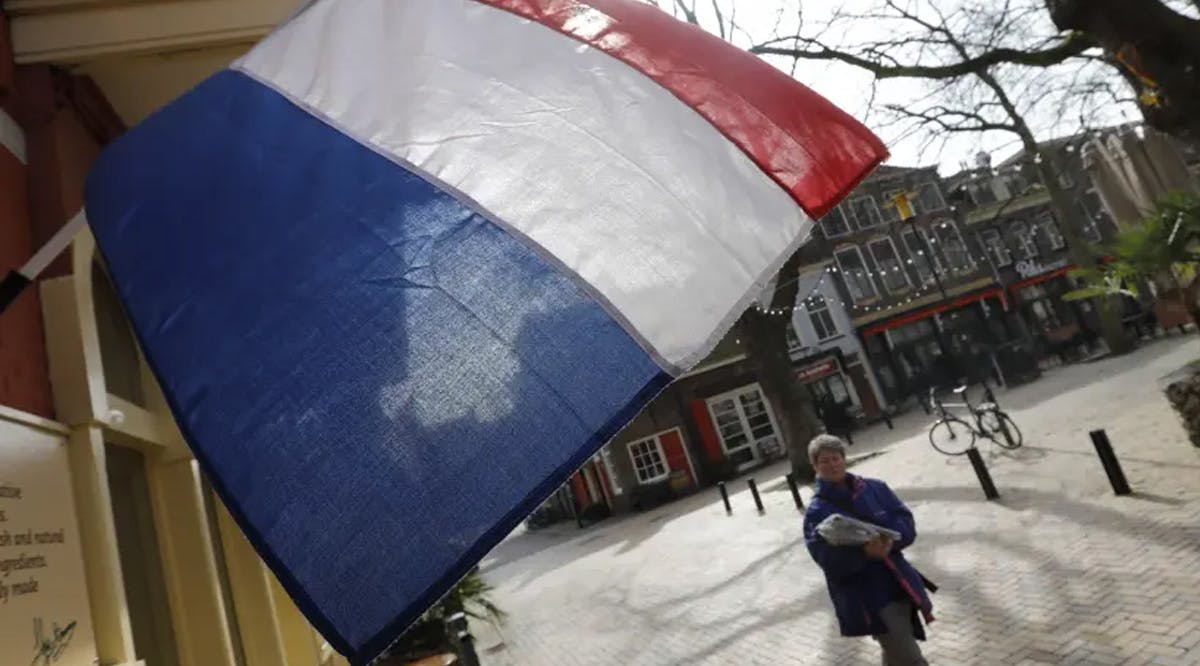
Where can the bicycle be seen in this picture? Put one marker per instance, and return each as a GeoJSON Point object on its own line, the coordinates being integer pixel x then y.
{"type": "Point", "coordinates": [954, 436]}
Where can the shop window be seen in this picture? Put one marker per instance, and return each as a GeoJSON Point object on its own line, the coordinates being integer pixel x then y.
{"type": "Point", "coordinates": [855, 274]}
{"type": "Point", "coordinates": [822, 321]}
{"type": "Point", "coordinates": [914, 332]}
{"type": "Point", "coordinates": [649, 461]}
{"type": "Point", "coordinates": [745, 426]}
{"type": "Point", "coordinates": [832, 388]}
{"type": "Point", "coordinates": [1044, 314]}
{"type": "Point", "coordinates": [891, 271]}
{"type": "Point", "coordinates": [835, 223]}
{"type": "Point", "coordinates": [993, 244]}
{"type": "Point", "coordinates": [953, 247]}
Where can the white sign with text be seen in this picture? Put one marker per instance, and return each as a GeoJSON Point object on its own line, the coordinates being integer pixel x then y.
{"type": "Point", "coordinates": [44, 618]}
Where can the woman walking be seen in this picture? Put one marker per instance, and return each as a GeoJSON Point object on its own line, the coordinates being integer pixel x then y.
{"type": "Point", "coordinates": [875, 591]}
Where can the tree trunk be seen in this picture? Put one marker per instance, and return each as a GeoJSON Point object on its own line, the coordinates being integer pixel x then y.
{"type": "Point", "coordinates": [1108, 308]}
{"type": "Point", "coordinates": [1160, 43]}
{"type": "Point", "coordinates": [764, 336]}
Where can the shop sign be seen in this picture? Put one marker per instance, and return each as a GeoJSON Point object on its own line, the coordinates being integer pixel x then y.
{"type": "Point", "coordinates": [1028, 268]}
{"type": "Point", "coordinates": [44, 617]}
{"type": "Point", "coordinates": [817, 371]}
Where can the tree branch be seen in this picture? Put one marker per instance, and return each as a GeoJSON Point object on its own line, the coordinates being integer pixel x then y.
{"type": "Point", "coordinates": [720, 19]}
{"type": "Point", "coordinates": [689, 13]}
{"type": "Point", "coordinates": [1073, 45]}
{"type": "Point", "coordinates": [952, 120]}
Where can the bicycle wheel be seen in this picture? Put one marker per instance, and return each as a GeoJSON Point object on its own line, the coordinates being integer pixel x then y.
{"type": "Point", "coordinates": [1001, 429]}
{"type": "Point", "coordinates": [952, 436]}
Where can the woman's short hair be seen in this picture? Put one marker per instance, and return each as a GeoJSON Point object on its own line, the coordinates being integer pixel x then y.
{"type": "Point", "coordinates": [825, 443]}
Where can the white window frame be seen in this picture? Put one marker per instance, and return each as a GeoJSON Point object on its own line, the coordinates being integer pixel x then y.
{"type": "Point", "coordinates": [920, 208]}
{"type": "Point", "coordinates": [1047, 225]}
{"type": "Point", "coordinates": [977, 186]}
{"type": "Point", "coordinates": [874, 205]}
{"type": "Point", "coordinates": [656, 441]}
{"type": "Point", "coordinates": [1065, 181]}
{"type": "Point", "coordinates": [845, 215]}
{"type": "Point", "coordinates": [883, 271]}
{"type": "Point", "coordinates": [734, 395]}
{"type": "Point", "coordinates": [837, 252]}
{"type": "Point", "coordinates": [970, 266]}
{"type": "Point", "coordinates": [1091, 232]}
{"type": "Point", "coordinates": [822, 308]}
{"type": "Point", "coordinates": [893, 213]}
{"type": "Point", "coordinates": [1006, 258]}
{"type": "Point", "coordinates": [1027, 249]}
{"type": "Point", "coordinates": [918, 255]}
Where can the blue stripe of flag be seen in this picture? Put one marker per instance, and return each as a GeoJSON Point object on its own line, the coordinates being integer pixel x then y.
{"type": "Point", "coordinates": [380, 381]}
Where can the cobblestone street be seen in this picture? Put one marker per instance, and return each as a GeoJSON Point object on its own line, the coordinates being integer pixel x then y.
{"type": "Point", "coordinates": [1059, 571]}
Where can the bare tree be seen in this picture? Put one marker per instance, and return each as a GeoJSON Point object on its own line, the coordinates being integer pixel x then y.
{"type": "Point", "coordinates": [763, 335]}
{"type": "Point", "coordinates": [981, 67]}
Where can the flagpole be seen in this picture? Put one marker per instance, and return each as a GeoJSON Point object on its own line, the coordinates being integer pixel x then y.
{"type": "Point", "coordinates": [14, 284]}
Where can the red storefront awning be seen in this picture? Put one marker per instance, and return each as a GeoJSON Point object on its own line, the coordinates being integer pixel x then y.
{"type": "Point", "coordinates": [929, 312]}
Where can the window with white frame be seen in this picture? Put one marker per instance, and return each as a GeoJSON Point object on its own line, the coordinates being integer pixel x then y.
{"type": "Point", "coordinates": [855, 274]}
{"type": "Point", "coordinates": [865, 212]}
{"type": "Point", "coordinates": [1091, 217]}
{"type": "Point", "coordinates": [1017, 183]}
{"type": "Point", "coordinates": [993, 243]}
{"type": "Point", "coordinates": [1047, 229]}
{"type": "Point", "coordinates": [1064, 180]}
{"type": "Point", "coordinates": [890, 212]}
{"type": "Point", "coordinates": [981, 192]}
{"type": "Point", "coordinates": [745, 424]}
{"type": "Point", "coordinates": [919, 258]}
{"type": "Point", "coordinates": [649, 461]}
{"type": "Point", "coordinates": [793, 339]}
{"type": "Point", "coordinates": [835, 224]}
{"type": "Point", "coordinates": [1026, 245]}
{"type": "Point", "coordinates": [887, 260]}
{"type": "Point", "coordinates": [929, 198]}
{"type": "Point", "coordinates": [818, 314]}
{"type": "Point", "coordinates": [953, 247]}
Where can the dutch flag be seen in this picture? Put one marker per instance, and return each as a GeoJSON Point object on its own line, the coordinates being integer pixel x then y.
{"type": "Point", "coordinates": [406, 265]}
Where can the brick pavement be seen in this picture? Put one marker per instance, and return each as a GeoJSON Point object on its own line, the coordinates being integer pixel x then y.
{"type": "Point", "coordinates": [1057, 572]}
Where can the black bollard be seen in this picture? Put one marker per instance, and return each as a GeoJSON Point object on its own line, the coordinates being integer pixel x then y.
{"type": "Point", "coordinates": [791, 481]}
{"type": "Point", "coordinates": [461, 639]}
{"type": "Point", "coordinates": [1112, 466]}
{"type": "Point", "coordinates": [725, 498]}
{"type": "Point", "coordinates": [981, 471]}
{"type": "Point", "coordinates": [754, 491]}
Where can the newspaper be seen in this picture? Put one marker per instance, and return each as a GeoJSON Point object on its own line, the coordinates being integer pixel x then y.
{"type": "Point", "coordinates": [839, 530]}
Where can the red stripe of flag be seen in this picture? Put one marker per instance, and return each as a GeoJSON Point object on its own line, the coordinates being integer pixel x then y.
{"type": "Point", "coordinates": [810, 147]}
